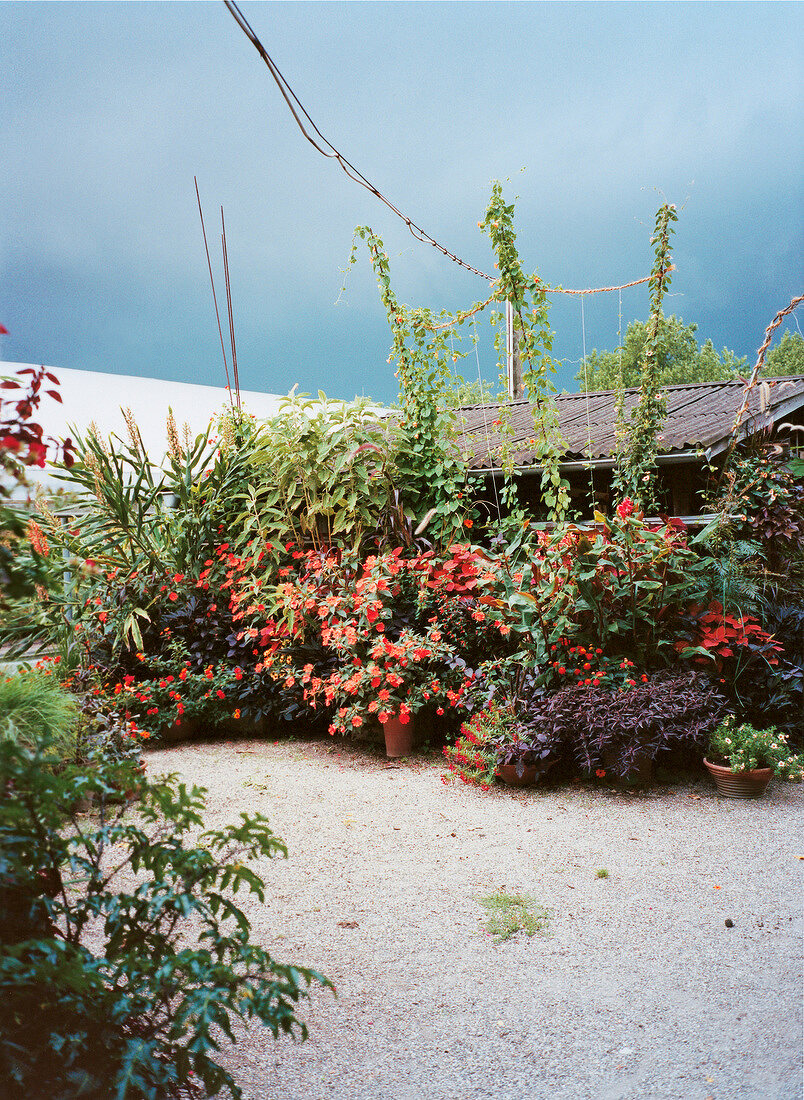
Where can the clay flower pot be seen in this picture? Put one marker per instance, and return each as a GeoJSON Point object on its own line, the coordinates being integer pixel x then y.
{"type": "Point", "coordinates": [507, 772]}
{"type": "Point", "coordinates": [748, 784]}
{"type": "Point", "coordinates": [398, 737]}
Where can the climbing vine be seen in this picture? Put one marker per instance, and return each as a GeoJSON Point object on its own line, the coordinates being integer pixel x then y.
{"type": "Point", "coordinates": [528, 297]}
{"type": "Point", "coordinates": [638, 437]}
{"type": "Point", "coordinates": [429, 466]}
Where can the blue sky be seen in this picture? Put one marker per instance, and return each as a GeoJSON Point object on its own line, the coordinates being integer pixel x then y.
{"type": "Point", "coordinates": [109, 110]}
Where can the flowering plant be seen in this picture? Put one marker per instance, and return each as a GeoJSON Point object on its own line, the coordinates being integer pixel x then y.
{"type": "Point", "coordinates": [473, 757]}
{"type": "Point", "coordinates": [175, 695]}
{"type": "Point", "coordinates": [619, 586]}
{"type": "Point", "coordinates": [385, 653]}
{"type": "Point", "coordinates": [494, 736]}
{"type": "Point", "coordinates": [744, 748]}
{"type": "Point", "coordinates": [589, 665]}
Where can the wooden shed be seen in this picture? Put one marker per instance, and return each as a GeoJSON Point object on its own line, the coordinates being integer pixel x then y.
{"type": "Point", "coordinates": [695, 435]}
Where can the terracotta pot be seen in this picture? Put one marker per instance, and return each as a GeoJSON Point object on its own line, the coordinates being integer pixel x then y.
{"type": "Point", "coordinates": [507, 772]}
{"type": "Point", "coordinates": [398, 737]}
{"type": "Point", "coordinates": [531, 773]}
{"type": "Point", "coordinates": [750, 784]}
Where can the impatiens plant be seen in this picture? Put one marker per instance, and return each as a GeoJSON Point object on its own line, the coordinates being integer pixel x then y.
{"type": "Point", "coordinates": [385, 651]}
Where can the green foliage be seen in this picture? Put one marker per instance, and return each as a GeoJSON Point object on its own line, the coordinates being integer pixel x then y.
{"type": "Point", "coordinates": [745, 748]}
{"type": "Point", "coordinates": [787, 357]}
{"type": "Point", "coordinates": [512, 913]}
{"type": "Point", "coordinates": [636, 471]}
{"type": "Point", "coordinates": [527, 295]}
{"type": "Point", "coordinates": [321, 473]}
{"type": "Point", "coordinates": [430, 472]}
{"type": "Point", "coordinates": [620, 586]}
{"type": "Point", "coordinates": [679, 359]}
{"type": "Point", "coordinates": [33, 705]}
{"type": "Point", "coordinates": [126, 988]}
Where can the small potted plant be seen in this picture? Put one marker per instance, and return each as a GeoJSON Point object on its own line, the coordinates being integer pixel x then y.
{"type": "Point", "coordinates": [495, 743]}
{"type": "Point", "coordinates": [742, 760]}
{"type": "Point", "coordinates": [524, 756]}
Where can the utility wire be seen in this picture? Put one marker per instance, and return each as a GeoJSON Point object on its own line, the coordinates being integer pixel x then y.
{"type": "Point", "coordinates": [330, 151]}
{"type": "Point", "coordinates": [297, 110]}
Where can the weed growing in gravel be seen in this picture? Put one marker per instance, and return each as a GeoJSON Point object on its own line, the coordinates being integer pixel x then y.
{"type": "Point", "coordinates": [601, 872]}
{"type": "Point", "coordinates": [508, 914]}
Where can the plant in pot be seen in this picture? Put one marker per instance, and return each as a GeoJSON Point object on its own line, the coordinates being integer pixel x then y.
{"type": "Point", "coordinates": [742, 760]}
{"type": "Point", "coordinates": [523, 748]}
{"type": "Point", "coordinates": [621, 733]}
{"type": "Point", "coordinates": [472, 759]}
{"type": "Point", "coordinates": [382, 663]}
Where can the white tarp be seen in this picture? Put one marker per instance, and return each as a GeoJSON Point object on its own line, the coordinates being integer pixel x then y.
{"type": "Point", "coordinates": [89, 396]}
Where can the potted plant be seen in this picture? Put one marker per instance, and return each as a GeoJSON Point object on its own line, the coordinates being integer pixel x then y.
{"type": "Point", "coordinates": [742, 760]}
{"type": "Point", "coordinates": [620, 733]}
{"type": "Point", "coordinates": [381, 663]}
{"type": "Point", "coordinates": [496, 743]}
{"type": "Point", "coordinates": [523, 757]}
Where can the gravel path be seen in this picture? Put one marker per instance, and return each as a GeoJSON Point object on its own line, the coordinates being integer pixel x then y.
{"type": "Point", "coordinates": [638, 989]}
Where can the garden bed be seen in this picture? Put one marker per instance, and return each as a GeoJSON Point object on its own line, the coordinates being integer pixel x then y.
{"type": "Point", "coordinates": [637, 989]}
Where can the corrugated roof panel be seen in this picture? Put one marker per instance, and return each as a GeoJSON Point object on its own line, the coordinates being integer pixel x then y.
{"type": "Point", "coordinates": [699, 414]}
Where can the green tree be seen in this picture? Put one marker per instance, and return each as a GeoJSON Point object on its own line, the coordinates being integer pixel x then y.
{"type": "Point", "coordinates": [787, 357]}
{"type": "Point", "coordinates": [478, 392]}
{"type": "Point", "coordinates": [680, 358]}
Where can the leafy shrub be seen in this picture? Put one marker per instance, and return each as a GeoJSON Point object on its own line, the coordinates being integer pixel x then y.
{"type": "Point", "coordinates": [611, 730]}
{"type": "Point", "coordinates": [620, 586]}
{"type": "Point", "coordinates": [105, 990]}
{"type": "Point", "coordinates": [749, 663]}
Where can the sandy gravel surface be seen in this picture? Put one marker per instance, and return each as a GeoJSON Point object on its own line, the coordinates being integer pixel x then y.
{"type": "Point", "coordinates": [638, 990]}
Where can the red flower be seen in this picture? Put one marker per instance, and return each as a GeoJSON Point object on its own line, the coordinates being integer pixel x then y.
{"type": "Point", "coordinates": [220, 694]}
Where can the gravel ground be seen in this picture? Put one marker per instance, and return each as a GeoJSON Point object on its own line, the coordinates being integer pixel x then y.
{"type": "Point", "coordinates": [638, 989]}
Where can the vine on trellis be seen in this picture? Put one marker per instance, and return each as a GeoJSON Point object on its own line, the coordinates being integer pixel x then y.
{"type": "Point", "coordinates": [637, 438]}
{"type": "Point", "coordinates": [429, 465]}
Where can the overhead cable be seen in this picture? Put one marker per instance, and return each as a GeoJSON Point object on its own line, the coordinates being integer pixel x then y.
{"type": "Point", "coordinates": [326, 149]}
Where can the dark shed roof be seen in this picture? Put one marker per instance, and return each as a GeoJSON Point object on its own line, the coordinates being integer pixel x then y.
{"type": "Point", "coordinates": [699, 415]}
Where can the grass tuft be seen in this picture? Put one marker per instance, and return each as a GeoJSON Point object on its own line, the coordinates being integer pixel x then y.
{"type": "Point", "coordinates": [508, 914]}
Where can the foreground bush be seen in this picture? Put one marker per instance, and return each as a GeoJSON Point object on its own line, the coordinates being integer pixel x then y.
{"type": "Point", "coordinates": [103, 990]}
